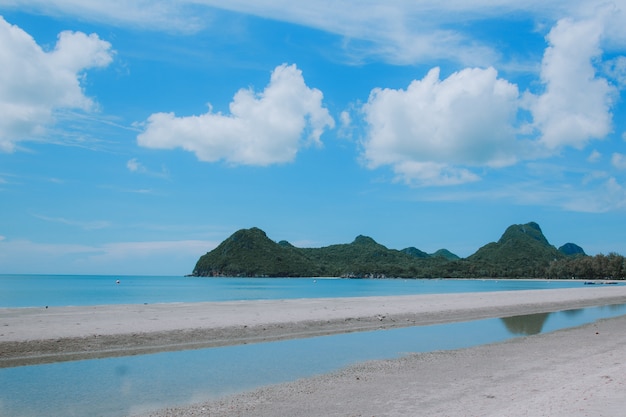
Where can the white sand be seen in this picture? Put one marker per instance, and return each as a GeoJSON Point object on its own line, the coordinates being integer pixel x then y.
{"type": "Point", "coordinates": [21, 324]}
{"type": "Point", "coordinates": [35, 335]}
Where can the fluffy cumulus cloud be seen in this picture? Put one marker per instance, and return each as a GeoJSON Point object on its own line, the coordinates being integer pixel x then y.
{"type": "Point", "coordinates": [616, 69]}
{"type": "Point", "coordinates": [436, 130]}
{"type": "Point", "coordinates": [575, 106]}
{"type": "Point", "coordinates": [262, 128]}
{"type": "Point", "coordinates": [433, 129]}
{"type": "Point", "coordinates": [35, 83]}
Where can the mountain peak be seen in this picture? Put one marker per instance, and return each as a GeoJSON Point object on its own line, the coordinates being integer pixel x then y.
{"type": "Point", "coordinates": [245, 238]}
{"type": "Point", "coordinates": [522, 248]}
{"type": "Point", "coordinates": [413, 251]}
{"type": "Point", "coordinates": [572, 249]}
{"type": "Point", "coordinates": [445, 253]}
{"type": "Point", "coordinates": [364, 240]}
{"type": "Point", "coordinates": [249, 252]}
{"type": "Point", "coordinates": [523, 232]}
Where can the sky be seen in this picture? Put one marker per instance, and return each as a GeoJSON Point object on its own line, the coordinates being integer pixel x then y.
{"type": "Point", "coordinates": [136, 136]}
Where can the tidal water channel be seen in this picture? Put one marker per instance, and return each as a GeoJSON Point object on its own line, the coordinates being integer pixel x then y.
{"type": "Point", "coordinates": [124, 386]}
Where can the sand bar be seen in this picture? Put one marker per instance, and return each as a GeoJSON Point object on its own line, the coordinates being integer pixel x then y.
{"type": "Point", "coordinates": [40, 335]}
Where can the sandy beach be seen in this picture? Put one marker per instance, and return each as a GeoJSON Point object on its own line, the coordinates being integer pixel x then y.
{"type": "Point", "coordinates": [574, 372]}
{"type": "Point", "coordinates": [569, 373]}
{"type": "Point", "coordinates": [42, 335]}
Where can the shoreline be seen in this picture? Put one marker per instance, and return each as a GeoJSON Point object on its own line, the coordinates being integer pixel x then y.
{"type": "Point", "coordinates": [575, 372]}
{"type": "Point", "coordinates": [44, 335]}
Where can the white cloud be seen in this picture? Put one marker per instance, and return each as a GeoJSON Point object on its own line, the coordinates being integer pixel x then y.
{"type": "Point", "coordinates": [408, 31]}
{"type": "Point", "coordinates": [597, 193]}
{"type": "Point", "coordinates": [619, 161]}
{"type": "Point", "coordinates": [402, 31]}
{"type": "Point", "coordinates": [616, 70]}
{"type": "Point", "coordinates": [149, 14]}
{"type": "Point", "coordinates": [143, 258]}
{"type": "Point", "coordinates": [346, 120]}
{"type": "Point", "coordinates": [436, 131]}
{"type": "Point", "coordinates": [261, 129]}
{"type": "Point", "coordinates": [609, 196]}
{"type": "Point", "coordinates": [347, 126]}
{"type": "Point", "coordinates": [133, 165]}
{"type": "Point", "coordinates": [129, 250]}
{"type": "Point", "coordinates": [433, 173]}
{"type": "Point", "coordinates": [35, 83]}
{"type": "Point", "coordinates": [85, 225]}
{"type": "Point", "coordinates": [594, 176]}
{"type": "Point", "coordinates": [594, 156]}
{"type": "Point", "coordinates": [575, 106]}
{"type": "Point", "coordinates": [426, 131]}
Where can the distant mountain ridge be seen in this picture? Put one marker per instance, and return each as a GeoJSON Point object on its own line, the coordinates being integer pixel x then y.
{"type": "Point", "coordinates": [522, 251]}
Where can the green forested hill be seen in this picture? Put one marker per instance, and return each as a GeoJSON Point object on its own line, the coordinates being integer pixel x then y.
{"type": "Point", "coordinates": [249, 252]}
{"type": "Point", "coordinates": [522, 251]}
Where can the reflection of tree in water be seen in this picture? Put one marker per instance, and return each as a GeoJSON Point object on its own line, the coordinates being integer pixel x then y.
{"type": "Point", "coordinates": [573, 313]}
{"type": "Point", "coordinates": [616, 307]}
{"type": "Point", "coordinates": [527, 325]}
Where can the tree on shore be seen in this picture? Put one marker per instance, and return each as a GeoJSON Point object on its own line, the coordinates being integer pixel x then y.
{"type": "Point", "coordinates": [611, 266]}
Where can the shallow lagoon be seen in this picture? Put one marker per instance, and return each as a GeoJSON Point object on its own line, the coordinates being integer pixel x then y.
{"type": "Point", "coordinates": [121, 386]}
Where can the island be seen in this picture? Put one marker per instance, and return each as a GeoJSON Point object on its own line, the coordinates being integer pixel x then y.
{"type": "Point", "coordinates": [521, 252]}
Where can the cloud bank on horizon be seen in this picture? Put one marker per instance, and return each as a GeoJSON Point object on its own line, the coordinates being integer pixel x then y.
{"type": "Point", "coordinates": [480, 105]}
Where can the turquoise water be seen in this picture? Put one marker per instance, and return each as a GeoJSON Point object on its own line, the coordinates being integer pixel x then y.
{"type": "Point", "coordinates": [116, 387]}
{"type": "Point", "coordinates": [80, 290]}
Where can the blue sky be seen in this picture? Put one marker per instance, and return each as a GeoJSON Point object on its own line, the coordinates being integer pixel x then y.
{"type": "Point", "coordinates": [135, 136]}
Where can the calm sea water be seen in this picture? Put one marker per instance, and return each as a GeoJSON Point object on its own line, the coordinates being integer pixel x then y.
{"type": "Point", "coordinates": [116, 387]}
{"type": "Point", "coordinates": [80, 290]}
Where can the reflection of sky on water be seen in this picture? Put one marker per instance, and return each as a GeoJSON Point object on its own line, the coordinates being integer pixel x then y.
{"type": "Point", "coordinates": [119, 386]}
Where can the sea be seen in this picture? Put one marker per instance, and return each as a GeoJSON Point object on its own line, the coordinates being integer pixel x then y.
{"type": "Point", "coordinates": [83, 290]}
{"type": "Point", "coordinates": [126, 386]}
